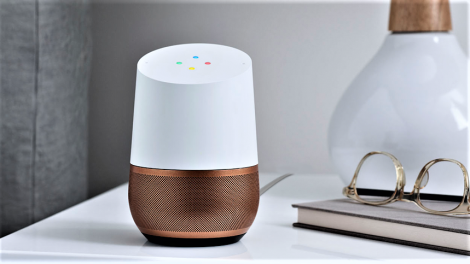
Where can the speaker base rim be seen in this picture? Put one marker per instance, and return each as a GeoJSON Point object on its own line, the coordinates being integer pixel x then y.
{"type": "Point", "coordinates": [192, 242]}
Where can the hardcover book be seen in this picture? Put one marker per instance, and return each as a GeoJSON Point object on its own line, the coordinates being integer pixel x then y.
{"type": "Point", "coordinates": [401, 223]}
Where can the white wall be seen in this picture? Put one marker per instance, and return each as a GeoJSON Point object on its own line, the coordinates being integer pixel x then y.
{"type": "Point", "coordinates": [304, 54]}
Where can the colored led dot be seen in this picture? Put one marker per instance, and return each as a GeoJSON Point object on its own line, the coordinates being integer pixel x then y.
{"type": "Point", "coordinates": [195, 57]}
{"type": "Point", "coordinates": [208, 63]}
{"type": "Point", "coordinates": [179, 62]}
{"type": "Point", "coordinates": [192, 68]}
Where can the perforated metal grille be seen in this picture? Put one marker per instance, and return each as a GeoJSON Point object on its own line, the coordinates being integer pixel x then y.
{"type": "Point", "coordinates": [193, 204]}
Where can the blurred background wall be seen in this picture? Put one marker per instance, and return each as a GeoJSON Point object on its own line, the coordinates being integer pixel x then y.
{"type": "Point", "coordinates": [45, 62]}
{"type": "Point", "coordinates": [305, 54]}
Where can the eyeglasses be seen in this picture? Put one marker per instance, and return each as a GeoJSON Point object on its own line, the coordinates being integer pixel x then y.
{"type": "Point", "coordinates": [415, 196]}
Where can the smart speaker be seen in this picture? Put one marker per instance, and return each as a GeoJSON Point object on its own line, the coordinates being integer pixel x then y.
{"type": "Point", "coordinates": [194, 162]}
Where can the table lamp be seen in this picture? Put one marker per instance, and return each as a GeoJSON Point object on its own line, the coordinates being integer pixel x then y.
{"type": "Point", "coordinates": [410, 101]}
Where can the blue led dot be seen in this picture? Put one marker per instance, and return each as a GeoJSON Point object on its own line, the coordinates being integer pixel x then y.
{"type": "Point", "coordinates": [195, 57]}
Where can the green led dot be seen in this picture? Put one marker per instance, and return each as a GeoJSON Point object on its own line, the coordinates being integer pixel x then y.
{"type": "Point", "coordinates": [179, 62]}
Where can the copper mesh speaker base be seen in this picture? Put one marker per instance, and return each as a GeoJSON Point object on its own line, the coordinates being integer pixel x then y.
{"type": "Point", "coordinates": [198, 208]}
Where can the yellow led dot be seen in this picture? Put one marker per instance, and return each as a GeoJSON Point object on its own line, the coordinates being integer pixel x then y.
{"type": "Point", "coordinates": [192, 68]}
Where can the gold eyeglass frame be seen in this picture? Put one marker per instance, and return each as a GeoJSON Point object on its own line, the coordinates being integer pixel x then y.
{"type": "Point", "coordinates": [414, 197]}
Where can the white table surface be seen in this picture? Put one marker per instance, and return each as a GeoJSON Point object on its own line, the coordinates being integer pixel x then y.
{"type": "Point", "coordinates": [102, 229]}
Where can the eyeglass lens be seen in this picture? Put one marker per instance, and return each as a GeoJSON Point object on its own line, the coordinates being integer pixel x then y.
{"type": "Point", "coordinates": [377, 173]}
{"type": "Point", "coordinates": [445, 178]}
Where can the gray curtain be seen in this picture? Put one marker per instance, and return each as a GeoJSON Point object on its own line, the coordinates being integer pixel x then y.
{"type": "Point", "coordinates": [45, 52]}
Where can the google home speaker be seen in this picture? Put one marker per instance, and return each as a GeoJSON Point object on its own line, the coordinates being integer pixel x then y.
{"type": "Point", "coordinates": [194, 162]}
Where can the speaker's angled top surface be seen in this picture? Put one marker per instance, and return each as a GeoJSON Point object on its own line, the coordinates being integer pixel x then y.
{"type": "Point", "coordinates": [194, 64]}
{"type": "Point", "coordinates": [194, 109]}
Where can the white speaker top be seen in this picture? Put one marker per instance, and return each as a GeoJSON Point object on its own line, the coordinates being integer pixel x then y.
{"type": "Point", "coordinates": [194, 109]}
{"type": "Point", "coordinates": [194, 63]}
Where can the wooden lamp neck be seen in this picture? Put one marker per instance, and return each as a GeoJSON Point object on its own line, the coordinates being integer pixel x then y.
{"type": "Point", "coordinates": [420, 16]}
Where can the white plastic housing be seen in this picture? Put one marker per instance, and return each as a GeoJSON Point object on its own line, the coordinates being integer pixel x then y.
{"type": "Point", "coordinates": [189, 115]}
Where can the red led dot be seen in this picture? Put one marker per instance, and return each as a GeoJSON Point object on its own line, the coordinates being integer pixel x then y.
{"type": "Point", "coordinates": [208, 63]}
